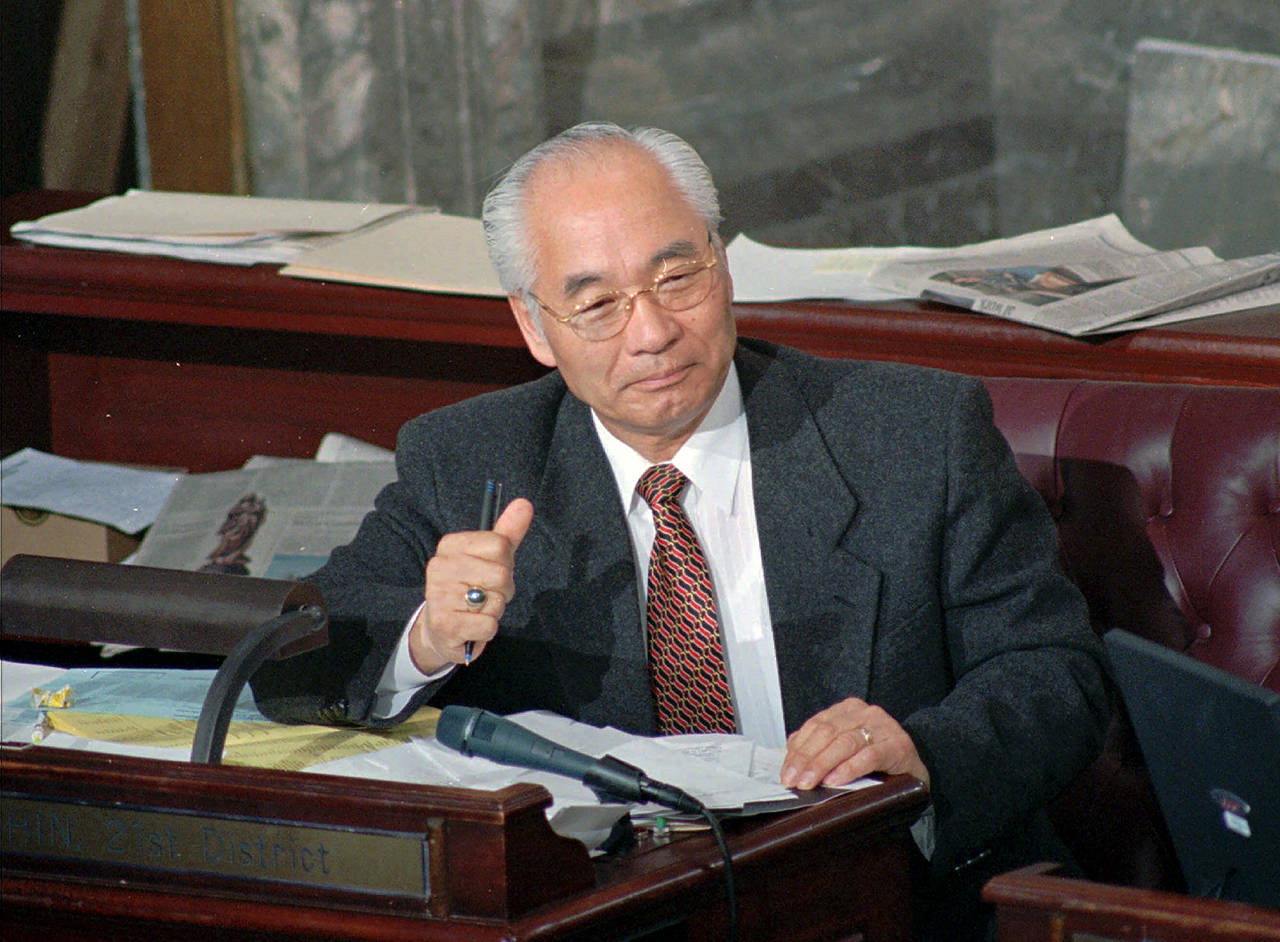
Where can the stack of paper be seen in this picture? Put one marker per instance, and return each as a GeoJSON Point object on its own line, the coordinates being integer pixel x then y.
{"type": "Point", "coordinates": [418, 251]}
{"type": "Point", "coordinates": [238, 230]}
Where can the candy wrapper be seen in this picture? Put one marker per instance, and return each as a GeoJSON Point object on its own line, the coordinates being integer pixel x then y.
{"type": "Point", "coordinates": [59, 699]}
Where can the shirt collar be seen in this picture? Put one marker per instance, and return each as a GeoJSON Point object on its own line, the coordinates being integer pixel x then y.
{"type": "Point", "coordinates": [711, 459]}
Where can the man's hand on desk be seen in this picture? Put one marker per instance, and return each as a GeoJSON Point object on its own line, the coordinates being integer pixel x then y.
{"type": "Point", "coordinates": [845, 742]}
{"type": "Point", "coordinates": [481, 559]}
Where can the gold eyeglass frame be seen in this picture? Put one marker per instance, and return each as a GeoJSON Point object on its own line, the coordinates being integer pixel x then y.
{"type": "Point", "coordinates": [695, 267]}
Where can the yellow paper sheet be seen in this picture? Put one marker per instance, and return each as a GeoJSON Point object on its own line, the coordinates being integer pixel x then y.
{"type": "Point", "coordinates": [265, 745]}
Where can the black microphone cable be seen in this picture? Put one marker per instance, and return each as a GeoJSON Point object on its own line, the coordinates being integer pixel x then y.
{"type": "Point", "coordinates": [730, 888]}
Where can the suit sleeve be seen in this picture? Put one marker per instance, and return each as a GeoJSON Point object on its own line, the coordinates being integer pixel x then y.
{"type": "Point", "coordinates": [1028, 706]}
{"type": "Point", "coordinates": [371, 587]}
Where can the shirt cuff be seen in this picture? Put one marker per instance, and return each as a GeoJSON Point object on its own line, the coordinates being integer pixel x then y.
{"type": "Point", "coordinates": [401, 678]}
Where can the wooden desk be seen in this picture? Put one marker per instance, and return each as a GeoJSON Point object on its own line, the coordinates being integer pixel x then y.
{"type": "Point", "coordinates": [1034, 905]}
{"type": "Point", "coordinates": [158, 361]}
{"type": "Point", "coordinates": [495, 870]}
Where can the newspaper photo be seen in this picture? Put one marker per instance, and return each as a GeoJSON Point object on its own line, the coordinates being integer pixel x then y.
{"type": "Point", "coordinates": [277, 521]}
{"type": "Point", "coordinates": [1080, 279]}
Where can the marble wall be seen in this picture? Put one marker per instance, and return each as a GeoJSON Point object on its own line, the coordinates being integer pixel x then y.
{"type": "Point", "coordinates": [826, 123]}
{"type": "Point", "coordinates": [1067, 78]}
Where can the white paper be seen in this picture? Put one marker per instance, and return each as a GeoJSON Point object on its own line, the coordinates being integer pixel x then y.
{"type": "Point", "coordinates": [337, 447]}
{"type": "Point", "coordinates": [417, 251]}
{"type": "Point", "coordinates": [763, 273]}
{"type": "Point", "coordinates": [208, 217]}
{"type": "Point", "coordinates": [714, 785]}
{"type": "Point", "coordinates": [1268, 295]}
{"type": "Point", "coordinates": [128, 499]}
{"type": "Point", "coordinates": [203, 226]}
{"type": "Point", "coordinates": [1080, 279]}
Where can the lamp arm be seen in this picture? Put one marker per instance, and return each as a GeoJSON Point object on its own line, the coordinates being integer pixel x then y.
{"type": "Point", "coordinates": [245, 658]}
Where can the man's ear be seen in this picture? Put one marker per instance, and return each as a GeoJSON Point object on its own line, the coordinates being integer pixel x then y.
{"type": "Point", "coordinates": [531, 330]}
{"type": "Point", "coordinates": [723, 252]}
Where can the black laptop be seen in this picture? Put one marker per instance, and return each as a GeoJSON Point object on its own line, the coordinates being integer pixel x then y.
{"type": "Point", "coordinates": [1211, 742]}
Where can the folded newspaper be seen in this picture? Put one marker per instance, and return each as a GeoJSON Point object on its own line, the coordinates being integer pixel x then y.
{"type": "Point", "coordinates": [278, 519]}
{"type": "Point", "coordinates": [1087, 278]}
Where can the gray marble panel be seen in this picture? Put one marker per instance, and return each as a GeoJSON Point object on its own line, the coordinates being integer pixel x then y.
{"type": "Point", "coordinates": [1203, 159]}
{"type": "Point", "coordinates": [805, 111]}
{"type": "Point", "coordinates": [412, 101]}
{"type": "Point", "coordinates": [930, 122]}
{"type": "Point", "coordinates": [1060, 93]}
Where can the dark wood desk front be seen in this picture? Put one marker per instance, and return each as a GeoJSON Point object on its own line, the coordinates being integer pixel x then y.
{"type": "Point", "coordinates": [158, 361]}
{"type": "Point", "coordinates": [186, 848]}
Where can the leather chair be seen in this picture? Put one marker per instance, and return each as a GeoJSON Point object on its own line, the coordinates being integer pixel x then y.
{"type": "Point", "coordinates": [1167, 501]}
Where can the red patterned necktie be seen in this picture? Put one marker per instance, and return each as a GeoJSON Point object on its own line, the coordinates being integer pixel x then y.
{"type": "Point", "coordinates": [686, 665]}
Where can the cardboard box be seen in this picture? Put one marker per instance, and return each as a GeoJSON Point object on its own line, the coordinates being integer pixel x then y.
{"type": "Point", "coordinates": [41, 533]}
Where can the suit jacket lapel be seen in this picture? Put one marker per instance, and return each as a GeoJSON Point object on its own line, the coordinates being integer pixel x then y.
{"type": "Point", "coordinates": [594, 611]}
{"type": "Point", "coordinates": [822, 598]}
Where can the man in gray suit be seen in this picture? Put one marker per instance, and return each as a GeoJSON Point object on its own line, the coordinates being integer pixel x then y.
{"type": "Point", "coordinates": [885, 583]}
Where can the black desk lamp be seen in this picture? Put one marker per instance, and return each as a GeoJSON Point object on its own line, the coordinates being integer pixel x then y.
{"type": "Point", "coordinates": [247, 619]}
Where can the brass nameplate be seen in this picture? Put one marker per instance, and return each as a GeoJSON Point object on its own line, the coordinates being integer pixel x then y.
{"type": "Point", "coordinates": [250, 849]}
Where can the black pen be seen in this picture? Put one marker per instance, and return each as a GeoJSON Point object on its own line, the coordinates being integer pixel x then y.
{"type": "Point", "coordinates": [488, 514]}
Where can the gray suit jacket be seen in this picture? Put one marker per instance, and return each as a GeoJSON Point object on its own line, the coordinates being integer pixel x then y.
{"type": "Point", "coordinates": [906, 562]}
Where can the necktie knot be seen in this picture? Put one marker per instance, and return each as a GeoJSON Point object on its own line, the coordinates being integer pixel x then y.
{"type": "Point", "coordinates": [661, 484]}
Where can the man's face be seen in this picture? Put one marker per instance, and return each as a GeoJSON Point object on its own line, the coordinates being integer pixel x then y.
{"type": "Point", "coordinates": [609, 221]}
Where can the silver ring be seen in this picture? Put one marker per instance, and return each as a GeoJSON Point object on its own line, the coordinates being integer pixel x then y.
{"type": "Point", "coordinates": [866, 735]}
{"type": "Point", "coordinates": [475, 598]}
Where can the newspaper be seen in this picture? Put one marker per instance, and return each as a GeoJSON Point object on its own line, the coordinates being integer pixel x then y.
{"type": "Point", "coordinates": [1086, 278]}
{"type": "Point", "coordinates": [1268, 297]}
{"type": "Point", "coordinates": [277, 521]}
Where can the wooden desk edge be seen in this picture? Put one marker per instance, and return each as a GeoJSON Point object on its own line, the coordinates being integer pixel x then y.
{"type": "Point", "coordinates": [1035, 896]}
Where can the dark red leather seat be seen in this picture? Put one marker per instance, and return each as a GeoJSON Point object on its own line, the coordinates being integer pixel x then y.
{"type": "Point", "coordinates": [1167, 500]}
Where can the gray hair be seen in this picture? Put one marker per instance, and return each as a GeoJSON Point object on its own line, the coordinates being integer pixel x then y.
{"type": "Point", "coordinates": [503, 214]}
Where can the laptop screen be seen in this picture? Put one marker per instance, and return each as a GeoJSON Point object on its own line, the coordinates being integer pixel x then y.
{"type": "Point", "coordinates": [1211, 742]}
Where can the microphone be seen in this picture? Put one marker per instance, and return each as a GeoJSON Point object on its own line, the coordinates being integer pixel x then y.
{"type": "Point", "coordinates": [476, 732]}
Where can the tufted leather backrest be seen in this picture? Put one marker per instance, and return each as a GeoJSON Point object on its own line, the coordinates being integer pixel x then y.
{"type": "Point", "coordinates": [1167, 500]}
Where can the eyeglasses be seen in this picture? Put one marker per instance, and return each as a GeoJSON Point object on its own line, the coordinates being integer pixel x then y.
{"type": "Point", "coordinates": [676, 287]}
